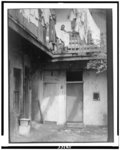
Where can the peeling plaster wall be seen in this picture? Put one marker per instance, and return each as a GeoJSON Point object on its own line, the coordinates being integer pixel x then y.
{"type": "Point", "coordinates": [95, 112]}
{"type": "Point", "coordinates": [29, 19]}
{"type": "Point", "coordinates": [44, 109]}
{"type": "Point", "coordinates": [32, 15]}
{"type": "Point", "coordinates": [15, 61]}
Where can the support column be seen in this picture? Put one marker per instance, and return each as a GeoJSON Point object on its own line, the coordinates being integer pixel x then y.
{"type": "Point", "coordinates": [110, 75]}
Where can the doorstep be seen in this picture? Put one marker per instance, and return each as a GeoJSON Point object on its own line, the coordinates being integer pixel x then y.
{"type": "Point", "coordinates": [75, 124]}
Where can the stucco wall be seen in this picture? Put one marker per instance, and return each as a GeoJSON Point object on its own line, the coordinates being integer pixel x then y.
{"type": "Point", "coordinates": [15, 61]}
{"type": "Point", "coordinates": [36, 96]}
{"type": "Point", "coordinates": [100, 20]}
{"type": "Point", "coordinates": [95, 112]}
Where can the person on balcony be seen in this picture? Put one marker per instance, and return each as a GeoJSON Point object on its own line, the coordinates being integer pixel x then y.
{"type": "Point", "coordinates": [64, 36]}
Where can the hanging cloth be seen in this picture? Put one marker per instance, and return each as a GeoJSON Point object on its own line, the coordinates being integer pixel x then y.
{"type": "Point", "coordinates": [72, 15]}
{"type": "Point", "coordinates": [65, 38]}
{"type": "Point", "coordinates": [26, 13]}
{"type": "Point", "coordinates": [81, 24]}
{"type": "Point", "coordinates": [46, 14]}
{"type": "Point", "coordinates": [52, 30]}
{"type": "Point", "coordinates": [34, 16]}
{"type": "Point", "coordinates": [93, 28]}
{"type": "Point", "coordinates": [84, 24]}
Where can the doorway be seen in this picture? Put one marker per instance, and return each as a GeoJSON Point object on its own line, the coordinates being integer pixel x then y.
{"type": "Point", "coordinates": [74, 97]}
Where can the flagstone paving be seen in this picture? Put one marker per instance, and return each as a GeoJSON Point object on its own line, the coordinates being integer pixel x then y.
{"type": "Point", "coordinates": [53, 133]}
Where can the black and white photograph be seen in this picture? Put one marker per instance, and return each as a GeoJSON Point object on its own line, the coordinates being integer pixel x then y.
{"type": "Point", "coordinates": [60, 73]}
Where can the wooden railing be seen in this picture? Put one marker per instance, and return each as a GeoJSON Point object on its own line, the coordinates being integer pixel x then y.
{"type": "Point", "coordinates": [75, 44]}
{"type": "Point", "coordinates": [78, 46]}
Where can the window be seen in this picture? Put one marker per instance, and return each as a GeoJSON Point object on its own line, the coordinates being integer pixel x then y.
{"type": "Point", "coordinates": [96, 96]}
{"type": "Point", "coordinates": [74, 76]}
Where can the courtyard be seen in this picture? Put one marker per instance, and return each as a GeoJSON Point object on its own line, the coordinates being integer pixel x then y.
{"type": "Point", "coordinates": [55, 133]}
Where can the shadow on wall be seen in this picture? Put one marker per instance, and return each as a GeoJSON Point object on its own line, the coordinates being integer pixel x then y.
{"type": "Point", "coordinates": [39, 114]}
{"type": "Point", "coordinates": [51, 100]}
{"type": "Point", "coordinates": [74, 108]}
{"type": "Point", "coordinates": [36, 114]}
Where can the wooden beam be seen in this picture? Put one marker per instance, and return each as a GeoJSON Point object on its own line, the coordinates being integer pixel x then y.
{"type": "Point", "coordinates": [20, 29]}
{"type": "Point", "coordinates": [76, 58]}
{"type": "Point", "coordinates": [78, 53]}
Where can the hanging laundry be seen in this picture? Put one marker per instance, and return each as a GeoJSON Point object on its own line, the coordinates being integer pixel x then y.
{"type": "Point", "coordinates": [36, 13]}
{"type": "Point", "coordinates": [40, 15]}
{"type": "Point", "coordinates": [72, 15]}
{"type": "Point", "coordinates": [85, 24]}
{"type": "Point", "coordinates": [52, 30]}
{"type": "Point", "coordinates": [72, 18]}
{"type": "Point", "coordinates": [46, 14]}
{"type": "Point", "coordinates": [81, 24]}
{"type": "Point", "coordinates": [34, 16]}
{"type": "Point", "coordinates": [93, 28]}
{"type": "Point", "coordinates": [25, 13]}
{"type": "Point", "coordinates": [62, 34]}
{"type": "Point", "coordinates": [43, 21]}
{"type": "Point", "coordinates": [31, 15]}
{"type": "Point", "coordinates": [65, 38]}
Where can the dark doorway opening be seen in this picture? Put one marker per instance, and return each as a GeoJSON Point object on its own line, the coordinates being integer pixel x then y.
{"type": "Point", "coordinates": [74, 76]}
{"type": "Point", "coordinates": [26, 92]}
{"type": "Point", "coordinates": [17, 90]}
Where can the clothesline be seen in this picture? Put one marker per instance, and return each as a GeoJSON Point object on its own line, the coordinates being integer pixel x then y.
{"type": "Point", "coordinates": [84, 24]}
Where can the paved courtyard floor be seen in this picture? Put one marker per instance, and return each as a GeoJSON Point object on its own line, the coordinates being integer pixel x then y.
{"type": "Point", "coordinates": [52, 133]}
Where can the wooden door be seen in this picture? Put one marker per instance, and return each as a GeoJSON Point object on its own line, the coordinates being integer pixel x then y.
{"type": "Point", "coordinates": [50, 102]}
{"type": "Point", "coordinates": [74, 102]}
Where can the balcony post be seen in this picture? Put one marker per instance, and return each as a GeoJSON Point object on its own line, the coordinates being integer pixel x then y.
{"type": "Point", "coordinates": [110, 75]}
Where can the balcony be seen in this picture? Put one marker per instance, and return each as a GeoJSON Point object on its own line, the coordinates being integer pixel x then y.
{"type": "Point", "coordinates": [55, 48]}
{"type": "Point", "coordinates": [78, 47]}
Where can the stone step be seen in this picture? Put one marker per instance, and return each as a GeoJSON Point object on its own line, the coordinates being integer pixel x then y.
{"type": "Point", "coordinates": [75, 125]}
